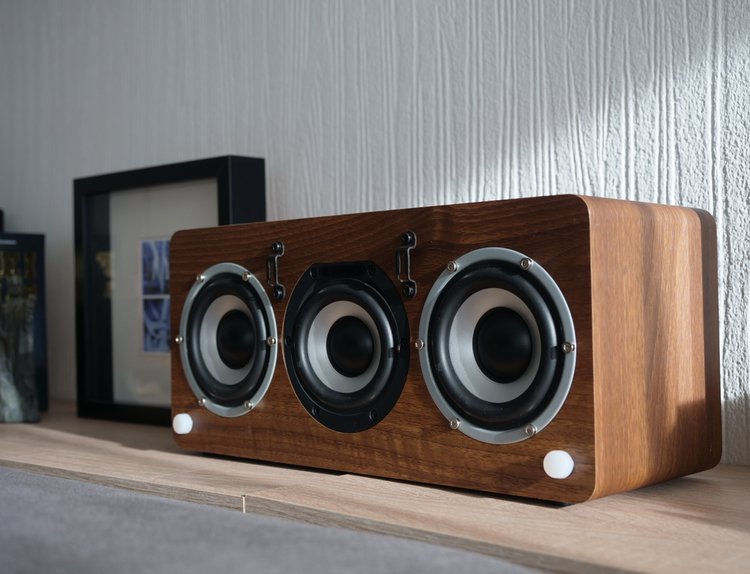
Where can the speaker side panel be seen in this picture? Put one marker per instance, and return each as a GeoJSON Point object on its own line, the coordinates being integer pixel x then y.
{"type": "Point", "coordinates": [414, 441]}
{"type": "Point", "coordinates": [711, 353]}
{"type": "Point", "coordinates": [655, 343]}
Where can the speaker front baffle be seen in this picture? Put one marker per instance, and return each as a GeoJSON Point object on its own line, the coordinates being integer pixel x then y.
{"type": "Point", "coordinates": [558, 348]}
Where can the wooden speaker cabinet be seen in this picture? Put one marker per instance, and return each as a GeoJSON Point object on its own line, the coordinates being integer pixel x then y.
{"type": "Point", "coordinates": [558, 348]}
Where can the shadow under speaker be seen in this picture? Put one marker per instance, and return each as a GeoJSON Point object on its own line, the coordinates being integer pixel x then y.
{"type": "Point", "coordinates": [557, 348]}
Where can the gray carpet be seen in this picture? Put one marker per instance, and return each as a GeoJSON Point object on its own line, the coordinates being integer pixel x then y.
{"type": "Point", "coordinates": [55, 525]}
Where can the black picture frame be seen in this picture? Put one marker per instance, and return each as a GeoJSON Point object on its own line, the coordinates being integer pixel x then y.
{"type": "Point", "coordinates": [240, 198]}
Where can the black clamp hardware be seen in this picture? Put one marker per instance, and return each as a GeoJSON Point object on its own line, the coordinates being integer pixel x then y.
{"type": "Point", "coordinates": [272, 269]}
{"type": "Point", "coordinates": [403, 259]}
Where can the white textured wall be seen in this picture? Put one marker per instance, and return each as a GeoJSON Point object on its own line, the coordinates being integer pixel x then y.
{"type": "Point", "coordinates": [361, 105]}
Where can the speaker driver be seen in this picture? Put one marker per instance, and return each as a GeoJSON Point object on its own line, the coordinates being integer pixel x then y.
{"type": "Point", "coordinates": [227, 323]}
{"type": "Point", "coordinates": [346, 344]}
{"type": "Point", "coordinates": [498, 357]}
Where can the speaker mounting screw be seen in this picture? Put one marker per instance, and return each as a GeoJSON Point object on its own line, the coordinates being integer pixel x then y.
{"type": "Point", "coordinates": [419, 344]}
{"type": "Point", "coordinates": [178, 339]}
{"type": "Point", "coordinates": [452, 266]}
{"type": "Point", "coordinates": [454, 424]}
{"type": "Point", "coordinates": [200, 278]}
{"type": "Point", "coordinates": [249, 405]}
{"type": "Point", "coordinates": [568, 347]}
{"type": "Point", "coordinates": [246, 276]}
{"type": "Point", "coordinates": [271, 341]}
{"type": "Point", "coordinates": [530, 430]}
{"type": "Point", "coordinates": [526, 263]}
{"type": "Point", "coordinates": [202, 402]}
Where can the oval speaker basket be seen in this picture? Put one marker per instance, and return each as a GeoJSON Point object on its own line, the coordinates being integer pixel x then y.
{"type": "Point", "coordinates": [346, 344]}
{"type": "Point", "coordinates": [499, 345]}
{"type": "Point", "coordinates": [229, 330]}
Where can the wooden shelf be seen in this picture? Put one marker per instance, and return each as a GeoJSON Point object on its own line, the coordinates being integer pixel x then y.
{"type": "Point", "coordinates": [699, 523]}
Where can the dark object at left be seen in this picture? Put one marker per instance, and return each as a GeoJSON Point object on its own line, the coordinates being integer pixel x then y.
{"type": "Point", "coordinates": [23, 340]}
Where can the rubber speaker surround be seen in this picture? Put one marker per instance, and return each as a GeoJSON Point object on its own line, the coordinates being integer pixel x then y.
{"type": "Point", "coordinates": [326, 294]}
{"type": "Point", "coordinates": [496, 411]}
{"type": "Point", "coordinates": [227, 388]}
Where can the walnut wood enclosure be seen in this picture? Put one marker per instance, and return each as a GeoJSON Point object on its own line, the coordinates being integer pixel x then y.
{"type": "Point", "coordinates": [639, 281]}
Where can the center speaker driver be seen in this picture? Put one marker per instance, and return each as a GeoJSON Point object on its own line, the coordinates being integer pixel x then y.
{"type": "Point", "coordinates": [346, 344]}
{"type": "Point", "coordinates": [559, 348]}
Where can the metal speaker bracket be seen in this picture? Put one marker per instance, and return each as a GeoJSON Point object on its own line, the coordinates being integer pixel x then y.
{"type": "Point", "coordinates": [272, 270]}
{"type": "Point", "coordinates": [403, 262]}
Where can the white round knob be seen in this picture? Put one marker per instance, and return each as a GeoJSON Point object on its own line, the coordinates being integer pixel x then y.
{"type": "Point", "coordinates": [182, 423]}
{"type": "Point", "coordinates": [558, 464]}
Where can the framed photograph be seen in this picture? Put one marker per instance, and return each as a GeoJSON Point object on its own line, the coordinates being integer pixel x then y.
{"type": "Point", "coordinates": [123, 223]}
{"type": "Point", "coordinates": [155, 295]}
{"type": "Point", "coordinates": [23, 328]}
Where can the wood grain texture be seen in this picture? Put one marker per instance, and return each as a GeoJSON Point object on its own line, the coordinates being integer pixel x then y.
{"type": "Point", "coordinates": [414, 440]}
{"type": "Point", "coordinates": [694, 524]}
{"type": "Point", "coordinates": [603, 285]}
{"type": "Point", "coordinates": [655, 346]}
